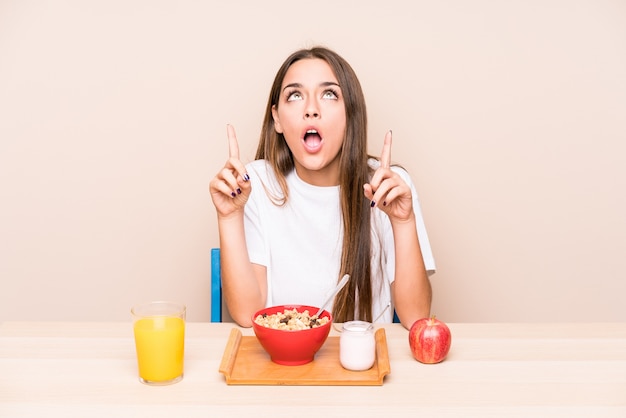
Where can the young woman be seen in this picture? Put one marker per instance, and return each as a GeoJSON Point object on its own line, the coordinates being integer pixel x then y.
{"type": "Point", "coordinates": [314, 206]}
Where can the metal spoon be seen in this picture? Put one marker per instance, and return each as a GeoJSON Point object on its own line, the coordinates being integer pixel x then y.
{"type": "Point", "coordinates": [380, 315]}
{"type": "Point", "coordinates": [340, 286]}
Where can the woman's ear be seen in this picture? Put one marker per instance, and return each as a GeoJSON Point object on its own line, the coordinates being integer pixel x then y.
{"type": "Point", "coordinates": [277, 126]}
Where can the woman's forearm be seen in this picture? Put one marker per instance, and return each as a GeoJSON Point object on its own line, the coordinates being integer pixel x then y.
{"type": "Point", "coordinates": [411, 288]}
{"type": "Point", "coordinates": [242, 284]}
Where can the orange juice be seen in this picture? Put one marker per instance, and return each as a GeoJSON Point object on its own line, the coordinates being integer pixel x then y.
{"type": "Point", "coordinates": [160, 343]}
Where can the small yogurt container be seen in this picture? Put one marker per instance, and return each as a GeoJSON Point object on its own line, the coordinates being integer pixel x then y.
{"type": "Point", "coordinates": [357, 346]}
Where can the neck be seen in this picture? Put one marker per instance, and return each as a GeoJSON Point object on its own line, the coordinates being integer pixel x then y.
{"type": "Point", "coordinates": [325, 177]}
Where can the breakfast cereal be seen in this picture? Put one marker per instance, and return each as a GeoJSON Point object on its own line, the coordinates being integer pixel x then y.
{"type": "Point", "coordinates": [290, 320]}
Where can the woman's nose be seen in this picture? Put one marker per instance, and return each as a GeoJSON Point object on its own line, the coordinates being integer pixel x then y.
{"type": "Point", "coordinates": [312, 110]}
{"type": "Point", "coordinates": [311, 114]}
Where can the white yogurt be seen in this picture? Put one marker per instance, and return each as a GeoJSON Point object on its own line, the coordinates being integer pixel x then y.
{"type": "Point", "coordinates": [357, 347]}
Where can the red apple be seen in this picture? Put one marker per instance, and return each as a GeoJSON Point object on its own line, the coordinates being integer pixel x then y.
{"type": "Point", "coordinates": [430, 340]}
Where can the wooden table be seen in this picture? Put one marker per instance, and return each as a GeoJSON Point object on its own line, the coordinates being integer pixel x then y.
{"type": "Point", "coordinates": [502, 370]}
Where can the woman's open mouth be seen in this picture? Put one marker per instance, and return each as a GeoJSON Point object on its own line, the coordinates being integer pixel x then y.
{"type": "Point", "coordinates": [312, 140]}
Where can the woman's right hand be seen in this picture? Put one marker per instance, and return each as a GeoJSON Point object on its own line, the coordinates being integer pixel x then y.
{"type": "Point", "coordinates": [231, 187]}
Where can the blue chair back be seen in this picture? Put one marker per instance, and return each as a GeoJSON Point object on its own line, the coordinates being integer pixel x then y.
{"type": "Point", "coordinates": [216, 286]}
{"type": "Point", "coordinates": [396, 320]}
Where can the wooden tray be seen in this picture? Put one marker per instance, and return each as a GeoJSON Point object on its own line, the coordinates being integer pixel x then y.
{"type": "Point", "coordinates": [245, 362]}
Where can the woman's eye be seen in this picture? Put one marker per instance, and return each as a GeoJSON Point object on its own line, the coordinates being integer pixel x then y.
{"type": "Point", "coordinates": [294, 96]}
{"type": "Point", "coordinates": [330, 94]}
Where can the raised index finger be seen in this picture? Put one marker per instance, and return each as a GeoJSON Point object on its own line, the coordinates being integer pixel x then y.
{"type": "Point", "coordinates": [385, 156]}
{"type": "Point", "coordinates": [233, 146]}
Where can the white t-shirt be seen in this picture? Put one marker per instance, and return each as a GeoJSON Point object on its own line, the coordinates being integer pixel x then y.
{"type": "Point", "coordinates": [300, 242]}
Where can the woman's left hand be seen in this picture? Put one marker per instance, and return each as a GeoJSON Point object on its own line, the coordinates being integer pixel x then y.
{"type": "Point", "coordinates": [387, 190]}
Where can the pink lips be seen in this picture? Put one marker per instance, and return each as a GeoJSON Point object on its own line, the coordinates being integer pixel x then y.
{"type": "Point", "coordinates": [312, 140]}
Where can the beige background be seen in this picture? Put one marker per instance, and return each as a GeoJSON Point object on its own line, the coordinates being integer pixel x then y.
{"type": "Point", "coordinates": [510, 116]}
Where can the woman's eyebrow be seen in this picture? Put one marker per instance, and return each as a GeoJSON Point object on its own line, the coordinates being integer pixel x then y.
{"type": "Point", "coordinates": [292, 85]}
{"type": "Point", "coordinates": [323, 84]}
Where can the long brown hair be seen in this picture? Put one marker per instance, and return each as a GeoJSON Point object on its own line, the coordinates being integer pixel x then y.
{"type": "Point", "coordinates": [355, 300]}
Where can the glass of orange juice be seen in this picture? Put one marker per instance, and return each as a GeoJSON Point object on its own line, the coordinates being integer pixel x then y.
{"type": "Point", "coordinates": [160, 341]}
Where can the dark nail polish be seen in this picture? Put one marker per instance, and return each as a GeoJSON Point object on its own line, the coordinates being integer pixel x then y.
{"type": "Point", "coordinates": [238, 190]}
{"type": "Point", "coordinates": [233, 194]}
{"type": "Point", "coordinates": [372, 204]}
{"type": "Point", "coordinates": [246, 177]}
